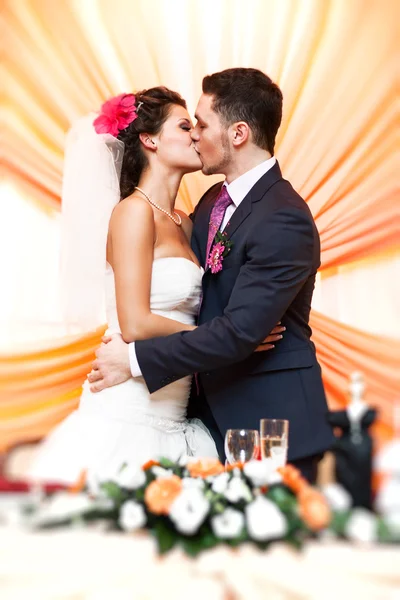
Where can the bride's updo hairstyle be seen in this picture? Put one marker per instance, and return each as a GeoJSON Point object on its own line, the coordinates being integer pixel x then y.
{"type": "Point", "coordinates": [152, 108]}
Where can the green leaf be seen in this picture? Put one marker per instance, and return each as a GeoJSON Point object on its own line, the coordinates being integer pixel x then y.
{"type": "Point", "coordinates": [219, 508]}
{"type": "Point", "coordinates": [221, 238]}
{"type": "Point", "coordinates": [242, 537]}
{"type": "Point", "coordinates": [54, 524]}
{"type": "Point", "coordinates": [283, 498]}
{"type": "Point", "coordinates": [210, 495]}
{"type": "Point", "coordinates": [139, 494]}
{"type": "Point", "coordinates": [165, 536]}
{"type": "Point", "coordinates": [112, 490]}
{"type": "Point", "coordinates": [110, 514]}
{"type": "Point", "coordinates": [385, 535]}
{"type": "Point", "coordinates": [166, 463]}
{"type": "Point", "coordinates": [193, 545]}
{"type": "Point", "coordinates": [262, 545]}
{"type": "Point", "coordinates": [295, 541]}
{"type": "Point", "coordinates": [339, 522]}
{"type": "Point", "coordinates": [209, 539]}
{"type": "Point", "coordinates": [296, 525]}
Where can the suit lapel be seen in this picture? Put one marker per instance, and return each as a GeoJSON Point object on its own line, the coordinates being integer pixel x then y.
{"type": "Point", "coordinates": [240, 215]}
{"type": "Point", "coordinates": [258, 190]}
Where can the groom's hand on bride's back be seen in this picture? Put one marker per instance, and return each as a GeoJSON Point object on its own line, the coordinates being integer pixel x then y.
{"type": "Point", "coordinates": [111, 366]}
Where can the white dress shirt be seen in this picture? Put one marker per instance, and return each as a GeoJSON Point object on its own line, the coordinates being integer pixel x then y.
{"type": "Point", "coordinates": [238, 190]}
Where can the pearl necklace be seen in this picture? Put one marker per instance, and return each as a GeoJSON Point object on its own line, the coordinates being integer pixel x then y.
{"type": "Point", "coordinates": [177, 220]}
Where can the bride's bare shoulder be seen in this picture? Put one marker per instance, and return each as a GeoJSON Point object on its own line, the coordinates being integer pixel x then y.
{"type": "Point", "coordinates": [133, 208]}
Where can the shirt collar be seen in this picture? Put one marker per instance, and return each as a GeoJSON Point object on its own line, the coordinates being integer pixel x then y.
{"type": "Point", "coordinates": [240, 187]}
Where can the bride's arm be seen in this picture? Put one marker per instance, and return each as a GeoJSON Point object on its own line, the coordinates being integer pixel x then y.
{"type": "Point", "coordinates": [130, 252]}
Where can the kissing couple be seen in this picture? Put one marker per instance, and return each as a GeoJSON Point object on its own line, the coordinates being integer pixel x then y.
{"type": "Point", "coordinates": [208, 315]}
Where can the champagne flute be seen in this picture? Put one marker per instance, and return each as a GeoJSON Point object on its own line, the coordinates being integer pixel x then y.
{"type": "Point", "coordinates": [275, 440]}
{"type": "Point", "coordinates": [241, 445]}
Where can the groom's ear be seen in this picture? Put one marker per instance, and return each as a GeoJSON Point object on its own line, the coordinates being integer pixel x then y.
{"type": "Point", "coordinates": [240, 133]}
{"type": "Point", "coordinates": [147, 141]}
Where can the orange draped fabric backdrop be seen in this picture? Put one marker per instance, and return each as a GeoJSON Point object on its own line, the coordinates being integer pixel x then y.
{"type": "Point", "coordinates": [334, 61]}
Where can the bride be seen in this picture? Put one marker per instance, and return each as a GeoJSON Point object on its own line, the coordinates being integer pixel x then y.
{"type": "Point", "coordinates": [122, 174]}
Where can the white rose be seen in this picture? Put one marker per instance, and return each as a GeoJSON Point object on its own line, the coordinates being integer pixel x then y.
{"type": "Point", "coordinates": [262, 472]}
{"type": "Point", "coordinates": [388, 459]}
{"type": "Point", "coordinates": [388, 499]}
{"type": "Point", "coordinates": [69, 504]}
{"type": "Point", "coordinates": [95, 479]}
{"type": "Point", "coordinates": [228, 525]}
{"type": "Point", "coordinates": [189, 510]}
{"type": "Point", "coordinates": [220, 483]}
{"type": "Point", "coordinates": [362, 526]}
{"type": "Point", "coordinates": [274, 477]}
{"type": "Point", "coordinates": [161, 473]}
{"type": "Point", "coordinates": [132, 516]}
{"type": "Point", "coordinates": [264, 520]}
{"type": "Point", "coordinates": [104, 503]}
{"type": "Point", "coordinates": [183, 461]}
{"type": "Point", "coordinates": [64, 505]}
{"type": "Point", "coordinates": [193, 482]}
{"type": "Point", "coordinates": [338, 498]}
{"type": "Point", "coordinates": [238, 490]}
{"type": "Point", "coordinates": [93, 484]}
{"type": "Point", "coordinates": [130, 477]}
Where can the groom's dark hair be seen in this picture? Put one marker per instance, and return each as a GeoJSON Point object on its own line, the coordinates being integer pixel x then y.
{"type": "Point", "coordinates": [247, 95]}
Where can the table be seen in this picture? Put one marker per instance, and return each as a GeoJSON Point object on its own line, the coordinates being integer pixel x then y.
{"type": "Point", "coordinates": [90, 564]}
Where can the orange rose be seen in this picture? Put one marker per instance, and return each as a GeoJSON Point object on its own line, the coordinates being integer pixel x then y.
{"type": "Point", "coordinates": [238, 465]}
{"type": "Point", "coordinates": [293, 479]}
{"type": "Point", "coordinates": [149, 464]}
{"type": "Point", "coordinates": [80, 483]}
{"type": "Point", "coordinates": [205, 467]}
{"type": "Point", "coordinates": [161, 493]}
{"type": "Point", "coordinates": [314, 509]}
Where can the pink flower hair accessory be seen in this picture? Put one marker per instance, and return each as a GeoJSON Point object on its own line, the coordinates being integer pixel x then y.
{"type": "Point", "coordinates": [116, 114]}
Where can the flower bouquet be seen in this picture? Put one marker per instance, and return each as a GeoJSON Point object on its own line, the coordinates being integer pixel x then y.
{"type": "Point", "coordinates": [359, 525]}
{"type": "Point", "coordinates": [199, 504]}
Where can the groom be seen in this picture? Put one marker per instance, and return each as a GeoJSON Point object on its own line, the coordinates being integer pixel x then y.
{"type": "Point", "coordinates": [267, 276]}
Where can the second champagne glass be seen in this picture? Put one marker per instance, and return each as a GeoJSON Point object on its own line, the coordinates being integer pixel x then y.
{"type": "Point", "coordinates": [275, 440]}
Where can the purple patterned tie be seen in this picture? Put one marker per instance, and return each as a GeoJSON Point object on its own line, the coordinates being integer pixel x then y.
{"type": "Point", "coordinates": [222, 202]}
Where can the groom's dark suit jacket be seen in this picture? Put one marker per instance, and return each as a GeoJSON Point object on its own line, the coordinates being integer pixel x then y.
{"type": "Point", "coordinates": [267, 277]}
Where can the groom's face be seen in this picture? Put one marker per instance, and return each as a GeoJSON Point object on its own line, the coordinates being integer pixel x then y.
{"type": "Point", "coordinates": [210, 138]}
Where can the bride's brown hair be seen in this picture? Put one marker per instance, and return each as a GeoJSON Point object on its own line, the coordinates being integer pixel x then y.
{"type": "Point", "coordinates": [154, 108]}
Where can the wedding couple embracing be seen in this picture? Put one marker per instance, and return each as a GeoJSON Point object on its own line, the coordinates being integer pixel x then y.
{"type": "Point", "coordinates": [208, 314]}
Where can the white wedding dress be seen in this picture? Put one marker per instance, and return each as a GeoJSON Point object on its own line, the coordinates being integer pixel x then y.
{"type": "Point", "coordinates": [126, 423]}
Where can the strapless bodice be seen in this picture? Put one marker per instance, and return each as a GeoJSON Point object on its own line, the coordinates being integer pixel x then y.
{"type": "Point", "coordinates": [175, 291]}
{"type": "Point", "coordinates": [125, 423]}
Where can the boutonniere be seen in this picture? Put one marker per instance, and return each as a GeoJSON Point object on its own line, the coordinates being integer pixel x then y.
{"type": "Point", "coordinates": [221, 248]}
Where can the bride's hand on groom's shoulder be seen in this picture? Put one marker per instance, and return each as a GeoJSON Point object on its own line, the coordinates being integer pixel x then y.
{"type": "Point", "coordinates": [269, 342]}
{"type": "Point", "coordinates": [112, 365]}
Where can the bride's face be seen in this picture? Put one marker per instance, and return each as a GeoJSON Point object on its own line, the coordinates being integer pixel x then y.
{"type": "Point", "coordinates": [175, 146]}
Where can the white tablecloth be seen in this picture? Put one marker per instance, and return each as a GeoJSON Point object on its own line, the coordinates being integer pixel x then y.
{"type": "Point", "coordinates": [77, 564]}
